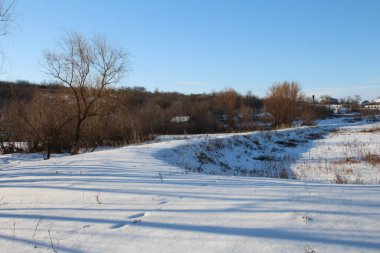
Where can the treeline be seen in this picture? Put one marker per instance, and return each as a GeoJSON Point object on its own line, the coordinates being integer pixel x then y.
{"type": "Point", "coordinates": [44, 116]}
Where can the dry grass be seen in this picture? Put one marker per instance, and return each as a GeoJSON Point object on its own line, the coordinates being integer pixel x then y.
{"type": "Point", "coordinates": [348, 171]}
{"type": "Point", "coordinates": [339, 179]}
{"type": "Point", "coordinates": [373, 159]}
{"type": "Point", "coordinates": [288, 143]}
{"type": "Point", "coordinates": [309, 249]}
{"type": "Point", "coordinates": [339, 131]}
{"type": "Point", "coordinates": [315, 136]}
{"type": "Point", "coordinates": [374, 129]}
{"type": "Point", "coordinates": [347, 160]}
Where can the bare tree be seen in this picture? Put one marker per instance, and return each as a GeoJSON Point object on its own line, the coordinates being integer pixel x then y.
{"type": "Point", "coordinates": [228, 101]}
{"type": "Point", "coordinates": [88, 67]}
{"type": "Point", "coordinates": [6, 18]}
{"type": "Point", "coordinates": [45, 118]}
{"type": "Point", "coordinates": [6, 14]}
{"type": "Point", "coordinates": [283, 103]}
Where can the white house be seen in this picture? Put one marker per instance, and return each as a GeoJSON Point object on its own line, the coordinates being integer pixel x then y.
{"type": "Point", "coordinates": [180, 119]}
{"type": "Point", "coordinates": [373, 105]}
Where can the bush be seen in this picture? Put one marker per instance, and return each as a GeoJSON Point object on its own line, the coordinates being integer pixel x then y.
{"type": "Point", "coordinates": [283, 103]}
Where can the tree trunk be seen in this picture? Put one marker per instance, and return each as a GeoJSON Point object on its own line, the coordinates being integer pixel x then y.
{"type": "Point", "coordinates": [48, 153]}
{"type": "Point", "coordinates": [75, 147]}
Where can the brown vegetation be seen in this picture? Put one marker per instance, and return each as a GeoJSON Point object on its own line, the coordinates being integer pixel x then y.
{"type": "Point", "coordinates": [46, 116]}
{"type": "Point", "coordinates": [373, 159]}
{"type": "Point", "coordinates": [88, 68]}
{"type": "Point", "coordinates": [375, 129]}
{"type": "Point", "coordinates": [283, 103]}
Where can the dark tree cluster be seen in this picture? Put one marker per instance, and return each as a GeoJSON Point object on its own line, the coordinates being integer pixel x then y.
{"type": "Point", "coordinates": [45, 116]}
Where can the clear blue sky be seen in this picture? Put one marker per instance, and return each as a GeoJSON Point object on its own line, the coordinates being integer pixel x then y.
{"type": "Point", "coordinates": [191, 46]}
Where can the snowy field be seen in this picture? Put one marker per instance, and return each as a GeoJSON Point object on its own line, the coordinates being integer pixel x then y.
{"type": "Point", "coordinates": [148, 198]}
{"type": "Point", "coordinates": [338, 150]}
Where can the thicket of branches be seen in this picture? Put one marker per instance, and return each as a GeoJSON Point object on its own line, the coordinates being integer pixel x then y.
{"type": "Point", "coordinates": [6, 16]}
{"type": "Point", "coordinates": [44, 116]}
{"type": "Point", "coordinates": [88, 67]}
{"type": "Point", "coordinates": [283, 102]}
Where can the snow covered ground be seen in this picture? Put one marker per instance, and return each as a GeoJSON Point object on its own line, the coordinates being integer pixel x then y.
{"type": "Point", "coordinates": [348, 154]}
{"type": "Point", "coordinates": [141, 199]}
{"type": "Point", "coordinates": [338, 150]}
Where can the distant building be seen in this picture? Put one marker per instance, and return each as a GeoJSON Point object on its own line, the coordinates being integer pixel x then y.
{"type": "Point", "coordinates": [330, 101]}
{"type": "Point", "coordinates": [180, 119]}
{"type": "Point", "coordinates": [375, 105]}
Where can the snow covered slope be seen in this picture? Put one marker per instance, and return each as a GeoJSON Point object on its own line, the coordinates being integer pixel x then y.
{"type": "Point", "coordinates": [338, 151]}
{"type": "Point", "coordinates": [135, 199]}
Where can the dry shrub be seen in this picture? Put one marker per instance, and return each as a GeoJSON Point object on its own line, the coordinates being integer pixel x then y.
{"type": "Point", "coordinates": [339, 179]}
{"type": "Point", "coordinates": [373, 159]}
{"type": "Point", "coordinates": [348, 171]}
{"type": "Point", "coordinates": [349, 160]}
{"type": "Point", "coordinates": [375, 129]}
{"type": "Point", "coordinates": [203, 158]}
{"type": "Point", "coordinates": [283, 103]}
{"type": "Point", "coordinates": [289, 143]}
{"type": "Point", "coordinates": [315, 136]}
{"type": "Point", "coordinates": [339, 132]}
{"type": "Point", "coordinates": [309, 249]}
{"type": "Point", "coordinates": [265, 158]}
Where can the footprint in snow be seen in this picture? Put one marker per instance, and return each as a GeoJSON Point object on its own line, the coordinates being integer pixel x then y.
{"type": "Point", "coordinates": [131, 219]}
{"type": "Point", "coordinates": [119, 225]}
{"type": "Point", "coordinates": [165, 202]}
{"type": "Point", "coordinates": [138, 215]}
